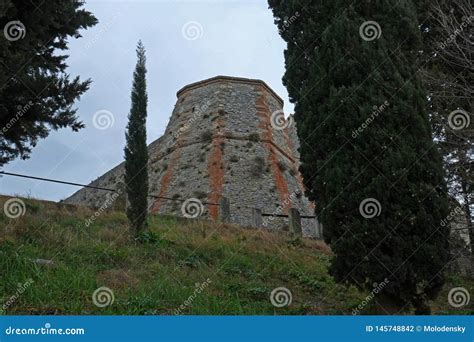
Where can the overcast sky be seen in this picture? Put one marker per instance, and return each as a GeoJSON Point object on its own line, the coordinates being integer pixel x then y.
{"type": "Point", "coordinates": [186, 41]}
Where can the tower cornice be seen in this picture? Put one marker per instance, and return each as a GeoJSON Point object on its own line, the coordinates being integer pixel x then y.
{"type": "Point", "coordinates": [220, 78]}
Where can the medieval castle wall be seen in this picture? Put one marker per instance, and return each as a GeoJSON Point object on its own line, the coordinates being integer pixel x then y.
{"type": "Point", "coordinates": [226, 137]}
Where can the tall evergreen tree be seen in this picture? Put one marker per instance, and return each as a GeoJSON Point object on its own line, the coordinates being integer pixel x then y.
{"type": "Point", "coordinates": [351, 154]}
{"type": "Point", "coordinates": [36, 93]}
{"type": "Point", "coordinates": [136, 152]}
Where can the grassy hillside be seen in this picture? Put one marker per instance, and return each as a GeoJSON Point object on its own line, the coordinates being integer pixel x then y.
{"type": "Point", "coordinates": [195, 266]}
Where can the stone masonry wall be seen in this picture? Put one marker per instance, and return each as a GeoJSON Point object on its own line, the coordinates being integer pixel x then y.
{"type": "Point", "coordinates": [222, 140]}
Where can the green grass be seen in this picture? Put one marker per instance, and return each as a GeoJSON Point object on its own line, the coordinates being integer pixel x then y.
{"type": "Point", "coordinates": [162, 273]}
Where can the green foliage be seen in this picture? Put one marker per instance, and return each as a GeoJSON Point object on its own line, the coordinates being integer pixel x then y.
{"type": "Point", "coordinates": [335, 77]}
{"type": "Point", "coordinates": [37, 94]}
{"type": "Point", "coordinates": [136, 151]}
{"type": "Point", "coordinates": [148, 237]}
{"type": "Point", "coordinates": [253, 137]}
{"type": "Point", "coordinates": [157, 275]}
{"type": "Point", "coordinates": [33, 206]}
{"type": "Point", "coordinates": [200, 194]}
{"type": "Point", "coordinates": [258, 166]}
{"type": "Point", "coordinates": [206, 135]}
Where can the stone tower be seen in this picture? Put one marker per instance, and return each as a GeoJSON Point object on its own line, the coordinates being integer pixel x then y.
{"type": "Point", "coordinates": [227, 137]}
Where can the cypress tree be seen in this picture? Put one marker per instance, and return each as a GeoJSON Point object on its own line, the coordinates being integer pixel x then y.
{"type": "Point", "coordinates": [136, 152]}
{"type": "Point", "coordinates": [367, 154]}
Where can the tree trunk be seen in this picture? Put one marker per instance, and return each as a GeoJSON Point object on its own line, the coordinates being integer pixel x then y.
{"type": "Point", "coordinates": [467, 210]}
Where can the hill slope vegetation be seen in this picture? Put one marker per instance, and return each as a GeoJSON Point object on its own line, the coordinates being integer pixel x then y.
{"type": "Point", "coordinates": [54, 257]}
